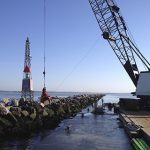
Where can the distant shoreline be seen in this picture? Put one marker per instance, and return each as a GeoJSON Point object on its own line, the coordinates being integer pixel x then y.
{"type": "Point", "coordinates": [75, 92]}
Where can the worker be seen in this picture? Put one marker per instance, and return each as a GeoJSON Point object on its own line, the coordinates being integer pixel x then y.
{"type": "Point", "coordinates": [82, 115]}
{"type": "Point", "coordinates": [88, 110]}
{"type": "Point", "coordinates": [45, 96]}
{"type": "Point", "coordinates": [67, 129]}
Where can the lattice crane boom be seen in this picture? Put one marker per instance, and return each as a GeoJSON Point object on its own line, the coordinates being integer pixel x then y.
{"type": "Point", "coordinates": [115, 31]}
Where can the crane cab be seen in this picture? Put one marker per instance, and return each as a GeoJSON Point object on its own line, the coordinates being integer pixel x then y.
{"type": "Point", "coordinates": [143, 84]}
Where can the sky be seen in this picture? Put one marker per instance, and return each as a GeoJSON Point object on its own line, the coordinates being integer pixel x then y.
{"type": "Point", "coordinates": [78, 59]}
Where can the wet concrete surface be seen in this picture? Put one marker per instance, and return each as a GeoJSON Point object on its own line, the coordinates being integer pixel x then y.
{"type": "Point", "coordinates": [90, 132]}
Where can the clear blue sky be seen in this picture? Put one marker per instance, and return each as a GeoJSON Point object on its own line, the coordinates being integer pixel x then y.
{"type": "Point", "coordinates": [78, 58]}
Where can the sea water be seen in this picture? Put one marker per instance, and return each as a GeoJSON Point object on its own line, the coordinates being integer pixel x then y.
{"type": "Point", "coordinates": [100, 132]}
{"type": "Point", "coordinates": [37, 94]}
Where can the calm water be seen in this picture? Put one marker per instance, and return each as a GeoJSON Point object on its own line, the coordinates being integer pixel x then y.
{"type": "Point", "coordinates": [37, 94]}
{"type": "Point", "coordinates": [88, 133]}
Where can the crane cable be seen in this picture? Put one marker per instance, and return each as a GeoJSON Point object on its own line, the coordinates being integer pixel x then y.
{"type": "Point", "coordinates": [132, 38]}
{"type": "Point", "coordinates": [91, 48]}
{"type": "Point", "coordinates": [44, 37]}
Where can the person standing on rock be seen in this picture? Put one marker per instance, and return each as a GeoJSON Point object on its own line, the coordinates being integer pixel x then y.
{"type": "Point", "coordinates": [44, 96]}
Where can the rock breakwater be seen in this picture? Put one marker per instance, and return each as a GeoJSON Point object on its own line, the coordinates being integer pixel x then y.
{"type": "Point", "coordinates": [27, 117]}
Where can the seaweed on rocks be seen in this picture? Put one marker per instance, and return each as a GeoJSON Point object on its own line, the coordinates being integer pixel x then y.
{"type": "Point", "coordinates": [28, 117]}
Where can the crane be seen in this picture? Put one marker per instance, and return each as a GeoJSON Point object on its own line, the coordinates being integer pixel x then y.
{"type": "Point", "coordinates": [115, 31]}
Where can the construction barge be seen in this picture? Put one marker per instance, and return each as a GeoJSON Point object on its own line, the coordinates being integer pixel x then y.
{"type": "Point", "coordinates": [136, 122]}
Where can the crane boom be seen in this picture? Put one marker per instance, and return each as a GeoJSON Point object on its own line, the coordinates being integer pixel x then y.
{"type": "Point", "coordinates": [115, 31]}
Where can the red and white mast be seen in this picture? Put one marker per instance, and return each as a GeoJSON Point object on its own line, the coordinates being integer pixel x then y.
{"type": "Point", "coordinates": [27, 82]}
